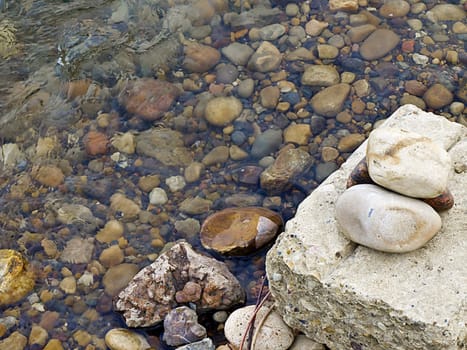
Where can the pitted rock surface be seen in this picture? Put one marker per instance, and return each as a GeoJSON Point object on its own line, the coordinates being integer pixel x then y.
{"type": "Point", "coordinates": [151, 294]}
{"type": "Point", "coordinates": [181, 327]}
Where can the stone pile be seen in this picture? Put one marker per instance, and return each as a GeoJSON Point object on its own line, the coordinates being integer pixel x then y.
{"type": "Point", "coordinates": [410, 165]}
{"type": "Point", "coordinates": [348, 296]}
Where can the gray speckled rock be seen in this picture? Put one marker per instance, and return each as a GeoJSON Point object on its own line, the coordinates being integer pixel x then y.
{"type": "Point", "coordinates": [384, 220]}
{"type": "Point", "coordinates": [154, 291]}
{"type": "Point", "coordinates": [384, 301]}
{"type": "Point", "coordinates": [181, 327]}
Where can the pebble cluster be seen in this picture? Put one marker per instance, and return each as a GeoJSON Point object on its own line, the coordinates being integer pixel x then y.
{"type": "Point", "coordinates": [244, 104]}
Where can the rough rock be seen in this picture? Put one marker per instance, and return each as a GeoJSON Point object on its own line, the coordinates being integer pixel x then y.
{"type": "Point", "coordinates": [239, 231]}
{"type": "Point", "coordinates": [16, 341]}
{"type": "Point", "coordinates": [125, 339]}
{"type": "Point", "coordinates": [407, 163]}
{"type": "Point", "coordinates": [205, 344]}
{"type": "Point", "coordinates": [267, 58]}
{"type": "Point", "coordinates": [148, 98]}
{"type": "Point", "coordinates": [222, 110]}
{"type": "Point", "coordinates": [329, 102]}
{"type": "Point", "coordinates": [378, 44]}
{"type": "Point", "coordinates": [343, 5]}
{"type": "Point", "coordinates": [386, 221]}
{"type": "Point", "coordinates": [165, 145]}
{"type": "Point", "coordinates": [273, 333]}
{"type": "Point", "coordinates": [280, 176]}
{"type": "Point", "coordinates": [78, 250]}
{"type": "Point", "coordinates": [151, 293]}
{"type": "Point", "coordinates": [390, 301]}
{"type": "Point", "coordinates": [16, 279]}
{"type": "Point", "coordinates": [181, 327]}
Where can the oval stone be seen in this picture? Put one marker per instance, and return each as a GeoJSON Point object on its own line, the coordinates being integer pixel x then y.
{"type": "Point", "coordinates": [16, 281]}
{"type": "Point", "coordinates": [221, 111]}
{"type": "Point", "coordinates": [239, 231]}
{"type": "Point", "coordinates": [124, 339]}
{"type": "Point", "coordinates": [376, 218]}
{"type": "Point", "coordinates": [407, 163]}
{"type": "Point", "coordinates": [378, 44]}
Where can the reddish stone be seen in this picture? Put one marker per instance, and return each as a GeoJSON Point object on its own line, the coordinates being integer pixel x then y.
{"type": "Point", "coordinates": [239, 231]}
{"type": "Point", "coordinates": [148, 98]}
{"type": "Point", "coordinates": [444, 201]}
{"type": "Point", "coordinates": [408, 46]}
{"type": "Point", "coordinates": [200, 58]}
{"type": "Point", "coordinates": [415, 87]}
{"type": "Point", "coordinates": [96, 143]}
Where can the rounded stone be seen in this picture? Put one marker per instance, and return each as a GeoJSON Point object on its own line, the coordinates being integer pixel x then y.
{"type": "Point", "coordinates": [273, 334]}
{"type": "Point", "coordinates": [269, 96]}
{"type": "Point", "coordinates": [437, 96]}
{"type": "Point", "coordinates": [111, 256]}
{"type": "Point", "coordinates": [221, 111]}
{"type": "Point", "coordinates": [48, 175]}
{"type": "Point", "coordinates": [327, 51]}
{"type": "Point", "coordinates": [267, 58]}
{"type": "Point", "coordinates": [117, 277]}
{"type": "Point", "coordinates": [148, 98]}
{"type": "Point", "coordinates": [383, 220]}
{"type": "Point", "coordinates": [378, 44]}
{"type": "Point", "coordinates": [329, 102]}
{"type": "Point", "coordinates": [297, 133]}
{"type": "Point", "coordinates": [238, 53]}
{"type": "Point", "coordinates": [394, 8]}
{"type": "Point", "coordinates": [447, 12]}
{"type": "Point", "coordinates": [124, 339]}
{"type": "Point", "coordinates": [239, 231]}
{"type": "Point", "coordinates": [200, 58]}
{"type": "Point", "coordinates": [407, 163]}
{"type": "Point", "coordinates": [158, 196]}
{"type": "Point", "coordinates": [16, 280]}
{"type": "Point", "coordinates": [112, 231]}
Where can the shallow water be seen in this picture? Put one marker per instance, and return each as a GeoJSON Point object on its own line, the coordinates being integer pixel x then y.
{"type": "Point", "coordinates": [47, 44]}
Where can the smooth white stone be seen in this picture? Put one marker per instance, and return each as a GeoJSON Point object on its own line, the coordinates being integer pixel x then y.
{"type": "Point", "coordinates": [124, 339]}
{"type": "Point", "coordinates": [407, 163]}
{"type": "Point", "coordinates": [273, 333]}
{"type": "Point", "coordinates": [384, 220]}
{"type": "Point", "coordinates": [158, 196]}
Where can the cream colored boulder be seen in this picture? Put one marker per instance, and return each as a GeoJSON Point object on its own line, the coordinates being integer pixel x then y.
{"type": "Point", "coordinates": [124, 339]}
{"type": "Point", "coordinates": [271, 331]}
{"type": "Point", "coordinates": [384, 220]}
{"type": "Point", "coordinates": [407, 163]}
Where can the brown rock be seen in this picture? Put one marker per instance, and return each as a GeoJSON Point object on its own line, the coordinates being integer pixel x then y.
{"type": "Point", "coordinates": [117, 277]}
{"type": "Point", "coordinates": [239, 231]}
{"type": "Point", "coordinates": [290, 163]}
{"type": "Point", "coordinates": [200, 58]}
{"type": "Point", "coordinates": [444, 201]}
{"type": "Point", "coordinates": [438, 96]}
{"type": "Point", "coordinates": [359, 174]}
{"type": "Point", "coordinates": [148, 98]}
{"type": "Point", "coordinates": [394, 8]}
{"type": "Point", "coordinates": [350, 142]}
{"type": "Point", "coordinates": [221, 111]}
{"type": "Point", "coordinates": [415, 87]}
{"type": "Point", "coordinates": [150, 296]}
{"type": "Point", "coordinates": [77, 88]}
{"type": "Point", "coordinates": [48, 175]}
{"type": "Point", "coordinates": [360, 33]}
{"type": "Point", "coordinates": [329, 102]}
{"type": "Point", "coordinates": [16, 341]}
{"type": "Point", "coordinates": [343, 5]}
{"type": "Point", "coordinates": [269, 96]}
{"type": "Point", "coordinates": [120, 203]}
{"type": "Point", "coordinates": [111, 256]}
{"type": "Point", "coordinates": [267, 58]}
{"type": "Point", "coordinates": [95, 143]}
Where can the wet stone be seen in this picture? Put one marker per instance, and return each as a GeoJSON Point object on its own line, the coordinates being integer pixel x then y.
{"type": "Point", "coordinates": [150, 296]}
{"type": "Point", "coordinates": [280, 176]}
{"type": "Point", "coordinates": [226, 73]}
{"type": "Point", "coordinates": [320, 75]}
{"type": "Point", "coordinates": [394, 8]}
{"type": "Point", "coordinates": [240, 231]}
{"type": "Point", "coordinates": [181, 327]}
{"type": "Point", "coordinates": [447, 12]}
{"type": "Point", "coordinates": [266, 143]}
{"type": "Point", "coordinates": [269, 96]}
{"type": "Point", "coordinates": [330, 101]}
{"type": "Point", "coordinates": [379, 44]}
{"type": "Point", "coordinates": [16, 279]}
{"type": "Point", "coordinates": [78, 250]}
{"type": "Point", "coordinates": [437, 96]}
{"type": "Point", "coordinates": [237, 53]}
{"type": "Point", "coordinates": [271, 32]}
{"type": "Point", "coordinates": [148, 98]}
{"type": "Point", "coordinates": [221, 111]}
{"type": "Point", "coordinates": [200, 58]}
{"type": "Point", "coordinates": [266, 58]}
{"type": "Point", "coordinates": [195, 206]}
{"type": "Point", "coordinates": [117, 277]}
